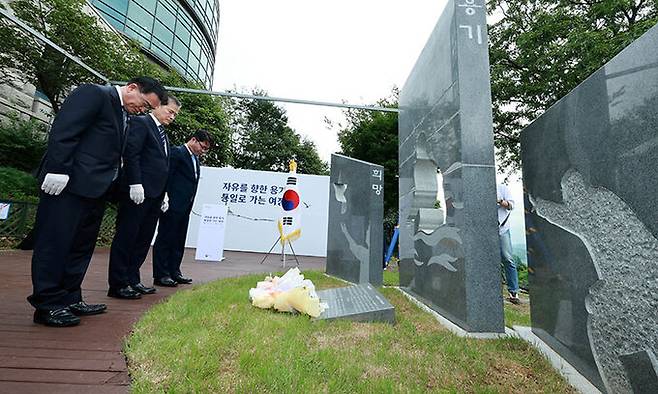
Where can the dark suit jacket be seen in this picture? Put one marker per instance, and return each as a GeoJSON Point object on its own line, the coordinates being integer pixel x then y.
{"type": "Point", "coordinates": [182, 184]}
{"type": "Point", "coordinates": [144, 158]}
{"type": "Point", "coordinates": [86, 139]}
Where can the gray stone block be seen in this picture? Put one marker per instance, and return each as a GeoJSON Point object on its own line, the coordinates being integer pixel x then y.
{"type": "Point", "coordinates": [358, 303]}
{"type": "Point", "coordinates": [356, 212]}
{"type": "Point", "coordinates": [589, 169]}
{"type": "Point", "coordinates": [445, 125]}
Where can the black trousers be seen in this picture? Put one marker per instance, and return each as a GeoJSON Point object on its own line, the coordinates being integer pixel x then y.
{"type": "Point", "coordinates": [65, 235]}
{"type": "Point", "coordinates": [169, 244]}
{"type": "Point", "coordinates": [135, 226]}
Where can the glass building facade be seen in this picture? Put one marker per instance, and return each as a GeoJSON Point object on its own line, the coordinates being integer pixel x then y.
{"type": "Point", "coordinates": [181, 33]}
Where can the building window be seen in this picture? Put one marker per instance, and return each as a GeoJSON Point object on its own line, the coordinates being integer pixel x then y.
{"type": "Point", "coordinates": [165, 16]}
{"type": "Point", "coordinates": [165, 35]}
{"type": "Point", "coordinates": [114, 10]}
{"type": "Point", "coordinates": [139, 17]}
{"type": "Point", "coordinates": [167, 29]}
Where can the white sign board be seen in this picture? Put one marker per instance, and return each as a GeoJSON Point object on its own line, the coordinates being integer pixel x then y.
{"type": "Point", "coordinates": [253, 199]}
{"type": "Point", "coordinates": [210, 240]}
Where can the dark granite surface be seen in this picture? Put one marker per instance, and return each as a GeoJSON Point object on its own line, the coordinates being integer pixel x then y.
{"type": "Point", "coordinates": [356, 209]}
{"type": "Point", "coordinates": [590, 172]}
{"type": "Point", "coordinates": [358, 303]}
{"type": "Point", "coordinates": [450, 255]}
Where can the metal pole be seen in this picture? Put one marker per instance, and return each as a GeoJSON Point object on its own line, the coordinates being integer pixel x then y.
{"type": "Point", "coordinates": [268, 252]}
{"type": "Point", "coordinates": [43, 38]}
{"type": "Point", "coordinates": [270, 98]}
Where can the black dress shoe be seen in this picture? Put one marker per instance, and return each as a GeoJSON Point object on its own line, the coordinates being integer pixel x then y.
{"type": "Point", "coordinates": [182, 280]}
{"type": "Point", "coordinates": [126, 293]}
{"type": "Point", "coordinates": [83, 309]}
{"type": "Point", "coordinates": [140, 288]}
{"type": "Point", "coordinates": [56, 318]}
{"type": "Point", "coordinates": [165, 281]}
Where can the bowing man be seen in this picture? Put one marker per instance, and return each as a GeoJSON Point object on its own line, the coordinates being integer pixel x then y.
{"type": "Point", "coordinates": [143, 196]}
{"type": "Point", "coordinates": [81, 163]}
{"type": "Point", "coordinates": [184, 172]}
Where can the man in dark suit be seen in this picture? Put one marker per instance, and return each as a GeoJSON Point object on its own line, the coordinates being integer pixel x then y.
{"type": "Point", "coordinates": [142, 197]}
{"type": "Point", "coordinates": [184, 172]}
{"type": "Point", "coordinates": [81, 163]}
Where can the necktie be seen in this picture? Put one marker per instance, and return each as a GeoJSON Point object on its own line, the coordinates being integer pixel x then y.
{"type": "Point", "coordinates": [163, 138]}
{"type": "Point", "coordinates": [125, 120]}
{"type": "Point", "coordinates": [196, 166]}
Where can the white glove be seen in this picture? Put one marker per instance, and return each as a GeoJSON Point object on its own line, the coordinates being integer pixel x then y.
{"type": "Point", "coordinates": [54, 183]}
{"type": "Point", "coordinates": [165, 203]}
{"type": "Point", "coordinates": [137, 193]}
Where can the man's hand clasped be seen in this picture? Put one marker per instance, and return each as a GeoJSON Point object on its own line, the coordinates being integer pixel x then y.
{"type": "Point", "coordinates": [53, 184]}
{"type": "Point", "coordinates": [137, 193]}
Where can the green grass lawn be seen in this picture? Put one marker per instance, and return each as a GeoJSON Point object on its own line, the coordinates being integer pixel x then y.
{"type": "Point", "coordinates": [391, 278]}
{"type": "Point", "coordinates": [210, 339]}
{"type": "Point", "coordinates": [517, 315]}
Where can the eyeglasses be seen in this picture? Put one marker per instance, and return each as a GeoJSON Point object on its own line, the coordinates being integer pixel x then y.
{"type": "Point", "coordinates": [146, 104]}
{"type": "Point", "coordinates": [205, 145]}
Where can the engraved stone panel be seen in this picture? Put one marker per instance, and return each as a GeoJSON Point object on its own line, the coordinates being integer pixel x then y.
{"type": "Point", "coordinates": [590, 174]}
{"type": "Point", "coordinates": [450, 255]}
{"type": "Point", "coordinates": [355, 239]}
{"type": "Point", "coordinates": [359, 303]}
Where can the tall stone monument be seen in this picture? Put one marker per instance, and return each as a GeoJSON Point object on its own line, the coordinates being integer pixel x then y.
{"type": "Point", "coordinates": [450, 255]}
{"type": "Point", "coordinates": [591, 178]}
{"type": "Point", "coordinates": [356, 212]}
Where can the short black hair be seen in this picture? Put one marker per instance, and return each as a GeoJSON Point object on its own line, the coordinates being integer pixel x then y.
{"type": "Point", "coordinates": [202, 136]}
{"type": "Point", "coordinates": [150, 85]}
{"type": "Point", "coordinates": [172, 99]}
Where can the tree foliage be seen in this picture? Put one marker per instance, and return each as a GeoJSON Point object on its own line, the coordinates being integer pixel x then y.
{"type": "Point", "coordinates": [65, 23]}
{"type": "Point", "coordinates": [373, 136]}
{"type": "Point", "coordinates": [77, 32]}
{"type": "Point", "coordinates": [262, 139]}
{"type": "Point", "coordinates": [541, 49]}
{"type": "Point", "coordinates": [22, 143]}
{"type": "Point", "coordinates": [201, 112]}
{"type": "Point", "coordinates": [262, 126]}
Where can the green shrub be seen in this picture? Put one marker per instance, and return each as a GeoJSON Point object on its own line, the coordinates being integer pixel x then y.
{"type": "Point", "coordinates": [22, 143]}
{"type": "Point", "coordinates": [17, 185]}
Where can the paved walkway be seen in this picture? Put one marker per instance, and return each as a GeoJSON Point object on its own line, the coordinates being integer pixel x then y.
{"type": "Point", "coordinates": [88, 358]}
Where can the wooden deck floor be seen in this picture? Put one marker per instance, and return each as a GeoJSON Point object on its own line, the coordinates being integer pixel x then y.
{"type": "Point", "coordinates": [88, 358]}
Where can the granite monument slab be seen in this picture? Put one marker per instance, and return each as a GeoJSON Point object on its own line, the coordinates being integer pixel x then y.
{"type": "Point", "coordinates": [450, 254]}
{"type": "Point", "coordinates": [591, 180]}
{"type": "Point", "coordinates": [356, 211]}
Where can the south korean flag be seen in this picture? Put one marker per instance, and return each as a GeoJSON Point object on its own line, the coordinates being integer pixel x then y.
{"type": "Point", "coordinates": [289, 225]}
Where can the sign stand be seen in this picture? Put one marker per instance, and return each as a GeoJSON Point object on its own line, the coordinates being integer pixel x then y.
{"type": "Point", "coordinates": [210, 242]}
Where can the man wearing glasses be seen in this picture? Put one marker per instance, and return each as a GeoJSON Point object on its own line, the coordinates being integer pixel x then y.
{"type": "Point", "coordinates": [82, 162]}
{"type": "Point", "coordinates": [142, 198]}
{"type": "Point", "coordinates": [184, 172]}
